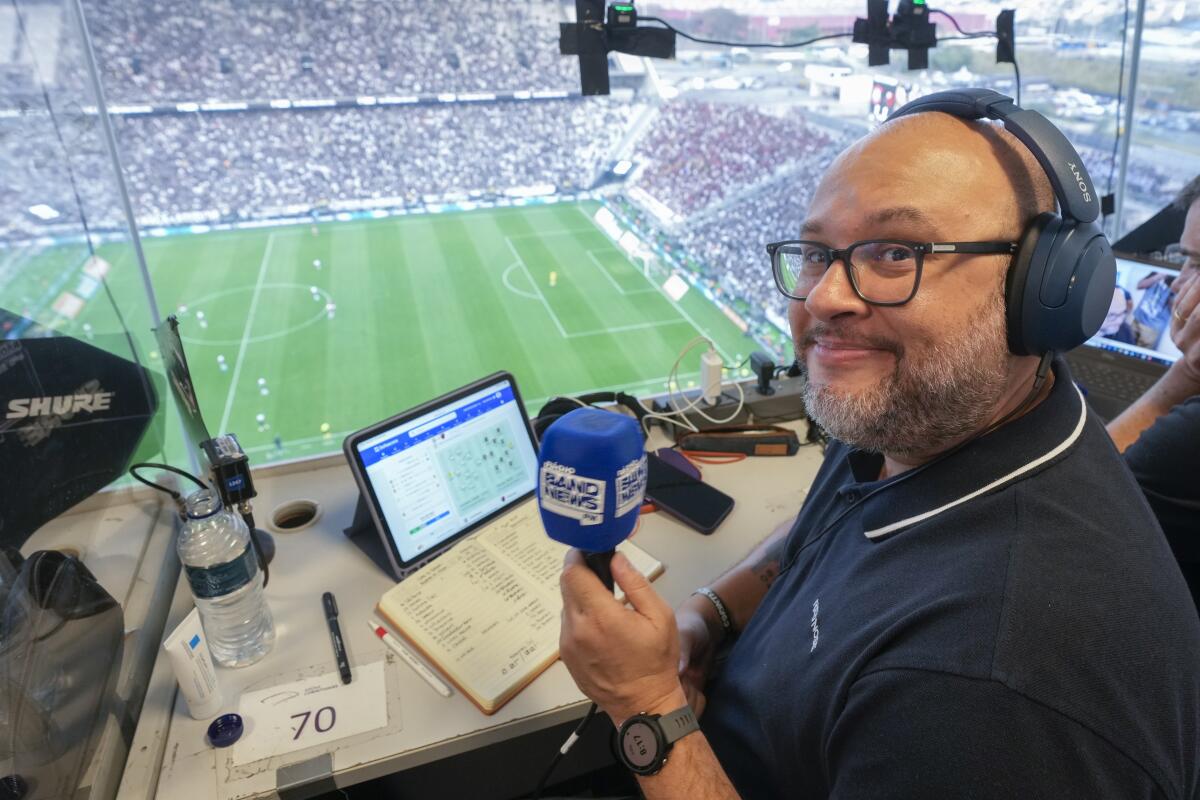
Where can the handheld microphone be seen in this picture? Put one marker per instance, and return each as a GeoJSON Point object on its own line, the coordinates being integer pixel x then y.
{"type": "Point", "coordinates": [591, 480]}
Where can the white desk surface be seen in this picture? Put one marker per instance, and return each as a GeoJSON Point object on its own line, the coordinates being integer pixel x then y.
{"type": "Point", "coordinates": [422, 725]}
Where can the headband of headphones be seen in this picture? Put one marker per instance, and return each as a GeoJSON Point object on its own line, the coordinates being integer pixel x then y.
{"type": "Point", "coordinates": [1072, 184]}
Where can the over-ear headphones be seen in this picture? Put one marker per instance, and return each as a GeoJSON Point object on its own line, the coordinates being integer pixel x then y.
{"type": "Point", "coordinates": [557, 406]}
{"type": "Point", "coordinates": [1061, 280]}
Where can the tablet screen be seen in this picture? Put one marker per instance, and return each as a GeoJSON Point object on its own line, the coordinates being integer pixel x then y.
{"type": "Point", "coordinates": [436, 474]}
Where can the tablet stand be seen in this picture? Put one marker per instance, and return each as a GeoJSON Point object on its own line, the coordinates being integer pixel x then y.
{"type": "Point", "coordinates": [363, 533]}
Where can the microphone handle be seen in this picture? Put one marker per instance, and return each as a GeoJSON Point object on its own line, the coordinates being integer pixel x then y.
{"type": "Point", "coordinates": [601, 565]}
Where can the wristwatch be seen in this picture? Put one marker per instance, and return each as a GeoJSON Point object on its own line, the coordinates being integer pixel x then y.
{"type": "Point", "coordinates": [644, 740]}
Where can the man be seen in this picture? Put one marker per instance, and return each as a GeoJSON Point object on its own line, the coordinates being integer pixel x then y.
{"type": "Point", "coordinates": [1159, 433]}
{"type": "Point", "coordinates": [974, 601]}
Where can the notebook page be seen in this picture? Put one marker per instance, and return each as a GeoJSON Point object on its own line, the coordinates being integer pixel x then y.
{"type": "Point", "coordinates": [477, 619]}
{"type": "Point", "coordinates": [520, 539]}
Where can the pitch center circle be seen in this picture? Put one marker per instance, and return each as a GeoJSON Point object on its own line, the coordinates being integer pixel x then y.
{"type": "Point", "coordinates": [320, 298]}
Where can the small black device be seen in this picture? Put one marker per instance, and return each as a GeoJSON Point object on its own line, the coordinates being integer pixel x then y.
{"type": "Point", "coordinates": [1063, 272]}
{"type": "Point", "coordinates": [677, 494]}
{"type": "Point", "coordinates": [645, 739]}
{"type": "Point", "coordinates": [763, 367]}
{"type": "Point", "coordinates": [591, 38]}
{"type": "Point", "coordinates": [910, 29]}
{"type": "Point", "coordinates": [335, 634]}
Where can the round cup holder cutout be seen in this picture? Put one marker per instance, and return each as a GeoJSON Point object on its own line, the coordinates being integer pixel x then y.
{"type": "Point", "coordinates": [295, 515]}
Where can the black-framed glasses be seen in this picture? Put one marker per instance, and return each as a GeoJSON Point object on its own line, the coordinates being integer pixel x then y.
{"type": "Point", "coordinates": [883, 272]}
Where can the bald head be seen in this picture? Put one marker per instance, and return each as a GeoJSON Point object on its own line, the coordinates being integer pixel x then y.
{"type": "Point", "coordinates": [967, 175]}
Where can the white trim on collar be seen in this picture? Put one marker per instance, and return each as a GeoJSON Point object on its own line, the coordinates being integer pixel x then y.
{"type": "Point", "coordinates": [1037, 462]}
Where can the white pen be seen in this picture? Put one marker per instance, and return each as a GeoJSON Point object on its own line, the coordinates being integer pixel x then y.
{"type": "Point", "coordinates": [410, 659]}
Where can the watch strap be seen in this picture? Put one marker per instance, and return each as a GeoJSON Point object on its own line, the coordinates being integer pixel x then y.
{"type": "Point", "coordinates": [678, 723]}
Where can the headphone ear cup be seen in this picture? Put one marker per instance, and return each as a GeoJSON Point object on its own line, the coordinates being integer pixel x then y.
{"type": "Point", "coordinates": [554, 408]}
{"type": "Point", "coordinates": [1059, 287]}
{"type": "Point", "coordinates": [1028, 265]}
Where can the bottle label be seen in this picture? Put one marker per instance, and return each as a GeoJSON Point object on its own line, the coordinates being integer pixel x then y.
{"type": "Point", "coordinates": [221, 579]}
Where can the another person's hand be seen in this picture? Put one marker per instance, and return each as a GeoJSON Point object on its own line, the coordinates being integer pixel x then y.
{"type": "Point", "coordinates": [698, 643]}
{"type": "Point", "coordinates": [1185, 326]}
{"type": "Point", "coordinates": [624, 659]}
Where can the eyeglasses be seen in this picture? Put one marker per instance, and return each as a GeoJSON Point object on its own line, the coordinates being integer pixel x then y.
{"type": "Point", "coordinates": [883, 272]}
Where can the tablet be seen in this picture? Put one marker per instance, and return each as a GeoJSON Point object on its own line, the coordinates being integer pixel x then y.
{"type": "Point", "coordinates": [435, 473]}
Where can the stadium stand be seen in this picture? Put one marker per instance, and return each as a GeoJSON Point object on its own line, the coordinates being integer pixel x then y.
{"type": "Point", "coordinates": [163, 50]}
{"type": "Point", "coordinates": [244, 165]}
{"type": "Point", "coordinates": [702, 153]}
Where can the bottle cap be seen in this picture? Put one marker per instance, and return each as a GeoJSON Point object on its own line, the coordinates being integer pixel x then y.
{"type": "Point", "coordinates": [13, 787]}
{"type": "Point", "coordinates": [225, 730]}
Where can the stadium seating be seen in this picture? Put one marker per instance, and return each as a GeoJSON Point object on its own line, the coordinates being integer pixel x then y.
{"type": "Point", "coordinates": [702, 153]}
{"type": "Point", "coordinates": [156, 50]}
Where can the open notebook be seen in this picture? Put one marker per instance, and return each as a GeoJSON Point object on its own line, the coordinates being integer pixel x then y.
{"type": "Point", "coordinates": [487, 612]}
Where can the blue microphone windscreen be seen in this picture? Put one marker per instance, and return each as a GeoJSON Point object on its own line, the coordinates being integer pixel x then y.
{"type": "Point", "coordinates": [591, 478]}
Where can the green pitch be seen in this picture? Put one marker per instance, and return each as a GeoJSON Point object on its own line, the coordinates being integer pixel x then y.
{"type": "Point", "coordinates": [398, 311]}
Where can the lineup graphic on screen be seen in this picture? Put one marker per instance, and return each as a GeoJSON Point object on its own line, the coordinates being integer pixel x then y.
{"type": "Point", "coordinates": [439, 473]}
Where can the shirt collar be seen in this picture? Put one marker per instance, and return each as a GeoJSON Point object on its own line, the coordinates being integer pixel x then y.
{"type": "Point", "coordinates": [1013, 452]}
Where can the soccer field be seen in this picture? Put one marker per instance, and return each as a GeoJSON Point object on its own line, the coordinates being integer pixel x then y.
{"type": "Point", "coordinates": [400, 310]}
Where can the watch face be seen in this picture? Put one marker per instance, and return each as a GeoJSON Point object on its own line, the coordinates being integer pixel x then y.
{"type": "Point", "coordinates": [640, 745]}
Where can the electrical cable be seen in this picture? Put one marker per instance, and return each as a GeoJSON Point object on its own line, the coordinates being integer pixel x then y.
{"type": "Point", "coordinates": [957, 27]}
{"type": "Point", "coordinates": [562, 751]}
{"type": "Point", "coordinates": [1017, 74]}
{"type": "Point", "coordinates": [247, 516]}
{"type": "Point", "coordinates": [994, 35]}
{"type": "Point", "coordinates": [1112, 159]}
{"type": "Point", "coordinates": [781, 45]}
{"type": "Point", "coordinates": [677, 415]}
{"type": "Point", "coordinates": [133, 471]}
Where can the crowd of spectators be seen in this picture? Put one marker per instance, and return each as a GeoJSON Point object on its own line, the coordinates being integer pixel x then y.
{"type": "Point", "coordinates": [1144, 179]}
{"type": "Point", "coordinates": [729, 242]}
{"type": "Point", "coordinates": [698, 154]}
{"type": "Point", "coordinates": [165, 50]}
{"type": "Point", "coordinates": [245, 164]}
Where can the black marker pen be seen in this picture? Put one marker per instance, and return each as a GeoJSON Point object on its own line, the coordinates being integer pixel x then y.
{"type": "Point", "coordinates": [335, 633]}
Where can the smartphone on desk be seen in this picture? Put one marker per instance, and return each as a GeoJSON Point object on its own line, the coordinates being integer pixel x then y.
{"type": "Point", "coordinates": [689, 500]}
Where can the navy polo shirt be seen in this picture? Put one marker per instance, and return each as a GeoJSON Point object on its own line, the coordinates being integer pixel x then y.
{"type": "Point", "coordinates": [1007, 622]}
{"type": "Point", "coordinates": [1163, 460]}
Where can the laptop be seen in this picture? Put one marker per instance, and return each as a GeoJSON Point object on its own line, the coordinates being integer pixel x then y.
{"type": "Point", "coordinates": [438, 472]}
{"type": "Point", "coordinates": [1133, 347]}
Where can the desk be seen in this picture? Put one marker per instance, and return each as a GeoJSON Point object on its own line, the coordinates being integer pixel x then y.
{"type": "Point", "coordinates": [171, 759]}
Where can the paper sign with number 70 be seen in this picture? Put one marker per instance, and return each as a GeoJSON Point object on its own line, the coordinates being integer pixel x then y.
{"type": "Point", "coordinates": [312, 711]}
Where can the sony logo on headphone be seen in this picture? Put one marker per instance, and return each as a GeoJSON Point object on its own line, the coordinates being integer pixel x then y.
{"type": "Point", "coordinates": [1079, 180]}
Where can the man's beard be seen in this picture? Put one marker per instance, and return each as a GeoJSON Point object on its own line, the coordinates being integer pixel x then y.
{"type": "Point", "coordinates": [933, 397]}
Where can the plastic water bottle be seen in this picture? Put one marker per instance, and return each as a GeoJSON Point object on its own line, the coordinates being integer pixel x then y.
{"type": "Point", "coordinates": [221, 567]}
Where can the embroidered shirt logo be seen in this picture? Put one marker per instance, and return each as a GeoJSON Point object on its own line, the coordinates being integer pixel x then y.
{"type": "Point", "coordinates": [813, 624]}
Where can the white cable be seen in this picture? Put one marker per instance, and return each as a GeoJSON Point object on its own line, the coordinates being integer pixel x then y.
{"type": "Point", "coordinates": [677, 415]}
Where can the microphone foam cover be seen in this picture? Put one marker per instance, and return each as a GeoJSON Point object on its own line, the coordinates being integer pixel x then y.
{"type": "Point", "coordinates": [591, 478]}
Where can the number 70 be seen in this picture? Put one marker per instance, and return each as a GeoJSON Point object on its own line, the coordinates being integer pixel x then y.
{"type": "Point", "coordinates": [317, 720]}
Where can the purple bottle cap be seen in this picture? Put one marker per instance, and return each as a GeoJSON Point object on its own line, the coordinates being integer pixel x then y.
{"type": "Point", "coordinates": [225, 730]}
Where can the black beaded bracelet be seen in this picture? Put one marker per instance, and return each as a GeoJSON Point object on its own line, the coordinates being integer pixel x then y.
{"type": "Point", "coordinates": [722, 612]}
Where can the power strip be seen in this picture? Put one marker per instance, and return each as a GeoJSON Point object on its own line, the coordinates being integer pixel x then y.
{"type": "Point", "coordinates": [785, 404]}
{"type": "Point", "coordinates": [723, 408]}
